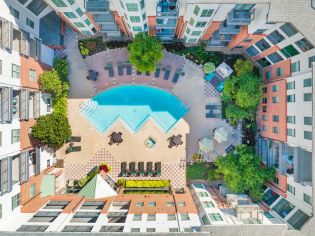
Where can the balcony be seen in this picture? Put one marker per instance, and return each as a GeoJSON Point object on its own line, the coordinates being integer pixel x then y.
{"type": "Point", "coordinates": [165, 34]}
{"type": "Point", "coordinates": [165, 23]}
{"type": "Point", "coordinates": [95, 6]}
{"type": "Point", "coordinates": [36, 104]}
{"type": "Point", "coordinates": [6, 105]}
{"type": "Point", "coordinates": [6, 34]}
{"type": "Point", "coordinates": [239, 18]}
{"type": "Point", "coordinates": [167, 8]}
{"type": "Point", "coordinates": [229, 29]}
{"type": "Point", "coordinates": [24, 104]}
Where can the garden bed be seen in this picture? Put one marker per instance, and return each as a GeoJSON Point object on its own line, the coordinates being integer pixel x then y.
{"type": "Point", "coordinates": [199, 171]}
{"type": "Point", "coordinates": [151, 191]}
{"type": "Point", "coordinates": [147, 184]}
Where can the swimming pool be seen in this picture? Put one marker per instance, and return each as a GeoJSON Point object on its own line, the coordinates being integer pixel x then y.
{"type": "Point", "coordinates": [134, 104]}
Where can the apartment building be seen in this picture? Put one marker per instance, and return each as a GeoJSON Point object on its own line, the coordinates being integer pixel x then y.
{"type": "Point", "coordinates": [23, 58]}
{"type": "Point", "coordinates": [120, 213]}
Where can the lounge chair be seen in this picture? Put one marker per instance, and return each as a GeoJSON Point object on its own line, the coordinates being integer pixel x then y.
{"type": "Point", "coordinates": [109, 67]}
{"type": "Point", "coordinates": [132, 168]}
{"type": "Point", "coordinates": [138, 73]}
{"type": "Point", "coordinates": [176, 75]}
{"type": "Point", "coordinates": [157, 168]}
{"type": "Point", "coordinates": [141, 168]}
{"type": "Point", "coordinates": [73, 139]}
{"type": "Point", "coordinates": [157, 71]}
{"type": "Point", "coordinates": [123, 169]}
{"type": "Point", "coordinates": [73, 149]}
{"type": "Point", "coordinates": [149, 170]}
{"type": "Point", "coordinates": [147, 73]}
{"type": "Point", "coordinates": [214, 115]}
{"type": "Point", "coordinates": [167, 73]}
{"type": "Point", "coordinates": [128, 69]}
{"type": "Point", "coordinates": [120, 68]}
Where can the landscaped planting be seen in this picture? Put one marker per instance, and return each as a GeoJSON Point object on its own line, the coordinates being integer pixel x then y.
{"type": "Point", "coordinates": [147, 184]}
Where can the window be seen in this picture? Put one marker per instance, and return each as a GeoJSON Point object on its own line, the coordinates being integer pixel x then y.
{"type": "Point", "coordinates": [181, 204]}
{"type": "Point", "coordinates": [169, 204]}
{"type": "Point", "coordinates": [15, 136]}
{"type": "Point", "coordinates": [291, 132]}
{"type": "Point", "coordinates": [202, 194]}
{"type": "Point", "coordinates": [201, 24]}
{"type": "Point", "coordinates": [0, 67]}
{"type": "Point", "coordinates": [205, 220]}
{"type": "Point", "coordinates": [196, 10]}
{"type": "Point", "coordinates": [29, 22]}
{"type": "Point", "coordinates": [283, 208]}
{"type": "Point", "coordinates": [207, 13]}
{"type": "Point", "coordinates": [173, 230]}
{"type": "Point", "coordinates": [268, 75]}
{"type": "Point", "coordinates": [264, 100]}
{"type": "Point", "coordinates": [87, 21]}
{"type": "Point", "coordinates": [70, 15]}
{"type": "Point", "coordinates": [208, 204]}
{"type": "Point", "coordinates": [32, 75]}
{"type": "Point", "coordinates": [192, 40]}
{"type": "Point", "coordinates": [307, 199]}
{"type": "Point", "coordinates": [192, 21]}
{"type": "Point", "coordinates": [85, 32]}
{"type": "Point", "coordinates": [184, 217]}
{"type": "Point", "coordinates": [71, 2]}
{"type": "Point", "coordinates": [308, 120]}
{"type": "Point", "coordinates": [291, 189]}
{"type": "Point", "coordinates": [288, 29]}
{"type": "Point", "coordinates": [144, 16]}
{"type": "Point", "coordinates": [139, 204]}
{"type": "Point", "coordinates": [252, 51]}
{"type": "Point", "coordinates": [152, 204]}
{"type": "Point", "coordinates": [264, 117]}
{"type": "Point", "coordinates": [77, 228]}
{"type": "Point", "coordinates": [137, 217]}
{"type": "Point", "coordinates": [275, 130]}
{"type": "Point", "coordinates": [79, 24]}
{"type": "Point", "coordinates": [151, 230]}
{"type": "Point", "coordinates": [171, 217]}
{"type": "Point", "coordinates": [279, 71]}
{"type": "Point", "coordinates": [142, 4]}
{"type": "Point", "coordinates": [264, 108]}
{"type": "Point", "coordinates": [307, 97]}
{"type": "Point", "coordinates": [291, 119]}
{"type": "Point", "coordinates": [196, 33]}
{"type": "Point", "coordinates": [290, 85]}
{"type": "Point", "coordinates": [264, 89]}
{"type": "Point", "coordinates": [32, 228]}
{"type": "Point", "coordinates": [32, 190]}
{"type": "Point", "coordinates": [295, 67]}
{"type": "Point", "coordinates": [15, 200]}
{"type": "Point", "coordinates": [275, 99]}
{"type": "Point", "coordinates": [134, 19]}
{"type": "Point", "coordinates": [244, 7]}
{"type": "Point", "coordinates": [14, 12]}
{"type": "Point", "coordinates": [135, 230]}
{"type": "Point", "coordinates": [132, 6]}
{"type": "Point", "coordinates": [275, 88]}
{"type": "Point", "coordinates": [136, 28]}
{"type": "Point", "coordinates": [260, 31]}
{"type": "Point", "coordinates": [275, 37]}
{"type": "Point", "coordinates": [121, 4]}
{"type": "Point", "coordinates": [289, 51]}
{"type": "Point", "coordinates": [59, 3]}
{"type": "Point", "coordinates": [263, 45]}
{"type": "Point", "coordinates": [79, 11]}
{"type": "Point", "coordinates": [291, 98]}
{"type": "Point", "coordinates": [307, 82]}
{"type": "Point", "coordinates": [263, 128]}
{"type": "Point", "coordinates": [310, 61]}
{"type": "Point", "coordinates": [15, 71]}
{"type": "Point", "coordinates": [263, 62]}
{"type": "Point", "coordinates": [307, 135]}
{"type": "Point", "coordinates": [151, 217]}
{"type": "Point", "coordinates": [276, 180]}
{"type": "Point", "coordinates": [215, 217]}
{"type": "Point", "coordinates": [275, 118]}
{"type": "Point", "coordinates": [187, 31]}
{"type": "Point", "coordinates": [304, 45]}
{"type": "Point", "coordinates": [275, 57]}
{"type": "Point", "coordinates": [298, 219]}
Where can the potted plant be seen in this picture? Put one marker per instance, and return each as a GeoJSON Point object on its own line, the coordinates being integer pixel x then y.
{"type": "Point", "coordinates": [105, 167]}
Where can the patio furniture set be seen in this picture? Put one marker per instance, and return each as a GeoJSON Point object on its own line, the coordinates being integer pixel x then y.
{"type": "Point", "coordinates": [217, 78]}
{"type": "Point", "coordinates": [72, 186]}
{"type": "Point", "coordinates": [175, 141]}
{"type": "Point", "coordinates": [71, 147]}
{"type": "Point", "coordinates": [214, 111]}
{"type": "Point", "coordinates": [115, 138]}
{"type": "Point", "coordinates": [92, 75]}
{"type": "Point", "coordinates": [141, 171]}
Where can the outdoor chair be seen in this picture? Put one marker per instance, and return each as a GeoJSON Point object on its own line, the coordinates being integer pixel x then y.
{"type": "Point", "coordinates": [176, 75]}
{"type": "Point", "coordinates": [128, 69]}
{"type": "Point", "coordinates": [157, 168]}
{"type": "Point", "coordinates": [132, 168]}
{"type": "Point", "coordinates": [123, 169]}
{"type": "Point", "coordinates": [149, 170]}
{"type": "Point", "coordinates": [73, 139]}
{"type": "Point", "coordinates": [147, 73]}
{"type": "Point", "coordinates": [138, 73]}
{"type": "Point", "coordinates": [73, 149]}
{"type": "Point", "coordinates": [141, 168]}
{"type": "Point", "coordinates": [167, 73]}
{"type": "Point", "coordinates": [120, 68]}
{"type": "Point", "coordinates": [157, 71]}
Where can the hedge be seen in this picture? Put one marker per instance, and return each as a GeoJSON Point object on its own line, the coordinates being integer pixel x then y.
{"type": "Point", "coordinates": [147, 184]}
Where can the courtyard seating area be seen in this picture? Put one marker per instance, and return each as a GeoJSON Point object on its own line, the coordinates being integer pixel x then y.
{"type": "Point", "coordinates": [141, 170]}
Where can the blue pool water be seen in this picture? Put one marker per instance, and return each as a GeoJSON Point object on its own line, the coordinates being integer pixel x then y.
{"type": "Point", "coordinates": [134, 104]}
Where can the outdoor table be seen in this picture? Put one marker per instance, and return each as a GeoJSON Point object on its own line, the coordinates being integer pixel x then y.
{"type": "Point", "coordinates": [116, 137]}
{"type": "Point", "coordinates": [176, 140]}
{"type": "Point", "coordinates": [93, 75]}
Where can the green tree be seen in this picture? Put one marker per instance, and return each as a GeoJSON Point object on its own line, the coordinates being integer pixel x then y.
{"type": "Point", "coordinates": [51, 130]}
{"type": "Point", "coordinates": [243, 67]}
{"type": "Point", "coordinates": [243, 173]}
{"type": "Point", "coordinates": [145, 52]}
{"type": "Point", "coordinates": [235, 114]}
{"type": "Point", "coordinates": [50, 82]}
{"type": "Point", "coordinates": [209, 67]}
{"type": "Point", "coordinates": [61, 66]}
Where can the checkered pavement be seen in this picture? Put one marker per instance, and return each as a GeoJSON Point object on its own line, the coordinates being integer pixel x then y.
{"type": "Point", "coordinates": [210, 91]}
{"type": "Point", "coordinates": [175, 172]}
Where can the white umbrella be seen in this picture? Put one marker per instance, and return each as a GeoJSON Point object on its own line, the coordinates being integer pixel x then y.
{"type": "Point", "coordinates": [221, 135]}
{"type": "Point", "coordinates": [206, 145]}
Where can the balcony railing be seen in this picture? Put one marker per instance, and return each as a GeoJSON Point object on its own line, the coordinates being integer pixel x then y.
{"type": "Point", "coordinates": [239, 18]}
{"type": "Point", "coordinates": [166, 24]}
{"type": "Point", "coordinates": [167, 8]}
{"type": "Point", "coordinates": [229, 29]}
{"type": "Point", "coordinates": [6, 105]}
{"type": "Point", "coordinates": [24, 104]}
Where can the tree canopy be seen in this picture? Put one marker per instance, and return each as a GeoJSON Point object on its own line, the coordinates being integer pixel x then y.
{"type": "Point", "coordinates": [51, 130]}
{"type": "Point", "coordinates": [243, 173]}
{"type": "Point", "coordinates": [50, 82]}
{"type": "Point", "coordinates": [145, 52]}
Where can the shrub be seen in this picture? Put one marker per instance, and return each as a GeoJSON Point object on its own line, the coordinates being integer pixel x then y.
{"type": "Point", "coordinates": [243, 67]}
{"type": "Point", "coordinates": [60, 106]}
{"type": "Point", "coordinates": [120, 182]}
{"type": "Point", "coordinates": [105, 167]}
{"type": "Point", "coordinates": [61, 66]}
{"type": "Point", "coordinates": [51, 130]}
{"type": "Point", "coordinates": [213, 175]}
{"type": "Point", "coordinates": [147, 184]}
{"type": "Point", "coordinates": [209, 67]}
{"type": "Point", "coordinates": [197, 171]}
{"type": "Point", "coordinates": [50, 82]}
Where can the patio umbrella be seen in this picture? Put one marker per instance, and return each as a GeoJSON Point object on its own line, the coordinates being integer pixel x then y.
{"type": "Point", "coordinates": [206, 145]}
{"type": "Point", "coordinates": [221, 135]}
